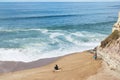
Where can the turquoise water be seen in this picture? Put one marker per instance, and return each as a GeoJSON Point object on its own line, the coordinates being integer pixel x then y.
{"type": "Point", "coordinates": [31, 31]}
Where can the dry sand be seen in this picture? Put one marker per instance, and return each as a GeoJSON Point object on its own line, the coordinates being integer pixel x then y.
{"type": "Point", "coordinates": [77, 66]}
{"type": "Point", "coordinates": [105, 73]}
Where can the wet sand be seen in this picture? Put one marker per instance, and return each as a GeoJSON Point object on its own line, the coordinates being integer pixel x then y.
{"type": "Point", "coordinates": [11, 66]}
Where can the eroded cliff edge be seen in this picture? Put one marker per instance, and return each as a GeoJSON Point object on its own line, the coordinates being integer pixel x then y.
{"type": "Point", "coordinates": [109, 49]}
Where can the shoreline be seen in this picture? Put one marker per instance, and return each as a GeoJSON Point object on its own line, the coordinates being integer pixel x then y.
{"type": "Point", "coordinates": [74, 66]}
{"type": "Point", "coordinates": [77, 66]}
{"type": "Point", "coordinates": [12, 66]}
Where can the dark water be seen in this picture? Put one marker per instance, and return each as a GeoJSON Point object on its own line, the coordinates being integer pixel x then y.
{"type": "Point", "coordinates": [30, 31]}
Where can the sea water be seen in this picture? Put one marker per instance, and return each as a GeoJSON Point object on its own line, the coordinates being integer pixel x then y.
{"type": "Point", "coordinates": [30, 31]}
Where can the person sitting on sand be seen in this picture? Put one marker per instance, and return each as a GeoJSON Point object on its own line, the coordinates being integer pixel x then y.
{"type": "Point", "coordinates": [56, 67]}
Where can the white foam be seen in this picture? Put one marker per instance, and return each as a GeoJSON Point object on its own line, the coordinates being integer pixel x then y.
{"type": "Point", "coordinates": [53, 35]}
{"type": "Point", "coordinates": [15, 30]}
{"type": "Point", "coordinates": [35, 53]}
{"type": "Point", "coordinates": [78, 34]}
{"type": "Point", "coordinates": [69, 38]}
{"type": "Point", "coordinates": [43, 49]}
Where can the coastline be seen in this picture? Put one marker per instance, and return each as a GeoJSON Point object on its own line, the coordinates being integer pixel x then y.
{"type": "Point", "coordinates": [33, 32]}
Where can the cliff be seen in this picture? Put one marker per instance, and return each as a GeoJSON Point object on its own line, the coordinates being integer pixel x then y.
{"type": "Point", "coordinates": [109, 50]}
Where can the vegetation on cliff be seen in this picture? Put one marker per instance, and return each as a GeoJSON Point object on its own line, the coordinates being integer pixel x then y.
{"type": "Point", "coordinates": [110, 39]}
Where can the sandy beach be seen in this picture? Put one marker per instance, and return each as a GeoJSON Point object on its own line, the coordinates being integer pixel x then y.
{"type": "Point", "coordinates": [77, 66]}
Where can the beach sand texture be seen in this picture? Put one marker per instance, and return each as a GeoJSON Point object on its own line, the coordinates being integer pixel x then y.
{"type": "Point", "coordinates": [77, 66]}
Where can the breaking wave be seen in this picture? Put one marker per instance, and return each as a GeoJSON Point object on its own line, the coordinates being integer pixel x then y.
{"type": "Point", "coordinates": [49, 43]}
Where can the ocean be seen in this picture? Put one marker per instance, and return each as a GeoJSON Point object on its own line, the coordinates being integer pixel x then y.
{"type": "Point", "coordinates": [32, 30]}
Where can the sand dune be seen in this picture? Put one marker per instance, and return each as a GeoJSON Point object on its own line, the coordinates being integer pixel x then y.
{"type": "Point", "coordinates": [77, 66]}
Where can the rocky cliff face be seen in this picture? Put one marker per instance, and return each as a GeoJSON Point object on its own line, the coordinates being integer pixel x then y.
{"type": "Point", "coordinates": [109, 50]}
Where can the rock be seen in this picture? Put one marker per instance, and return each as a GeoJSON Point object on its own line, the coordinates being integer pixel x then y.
{"type": "Point", "coordinates": [109, 49]}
